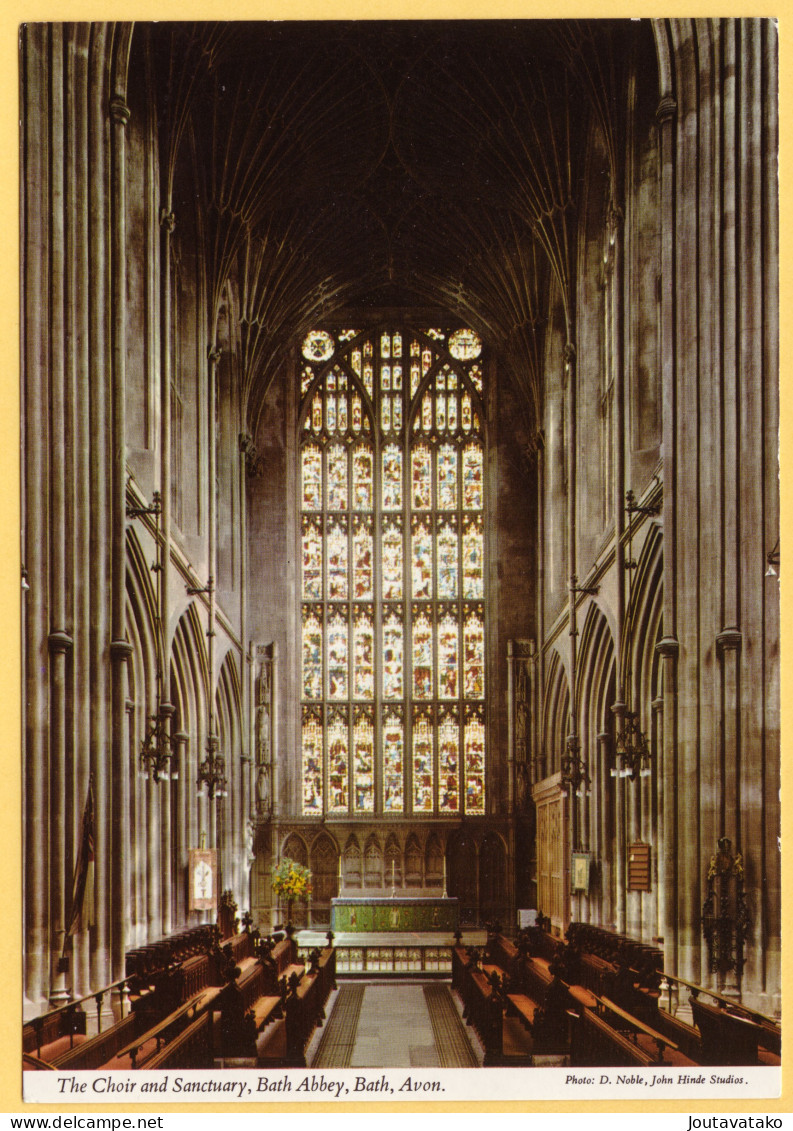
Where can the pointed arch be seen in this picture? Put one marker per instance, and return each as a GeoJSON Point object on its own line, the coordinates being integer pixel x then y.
{"type": "Point", "coordinates": [393, 861]}
{"type": "Point", "coordinates": [556, 714]}
{"type": "Point", "coordinates": [373, 863]}
{"type": "Point", "coordinates": [324, 877]}
{"type": "Point", "coordinates": [353, 869]}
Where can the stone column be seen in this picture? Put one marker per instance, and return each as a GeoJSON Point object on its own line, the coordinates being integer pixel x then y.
{"type": "Point", "coordinates": [179, 741]}
{"type": "Point", "coordinates": [666, 116]}
{"type": "Point", "coordinates": [668, 814]}
{"type": "Point", "coordinates": [101, 566]}
{"type": "Point", "coordinates": [35, 361]}
{"type": "Point", "coordinates": [620, 910]}
{"type": "Point", "coordinates": [166, 707]}
{"type": "Point", "coordinates": [60, 641]}
{"type": "Point", "coordinates": [120, 650]}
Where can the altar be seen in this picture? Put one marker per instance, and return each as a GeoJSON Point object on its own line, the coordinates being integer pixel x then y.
{"type": "Point", "coordinates": [373, 913]}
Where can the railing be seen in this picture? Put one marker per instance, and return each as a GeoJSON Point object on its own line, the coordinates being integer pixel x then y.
{"type": "Point", "coordinates": [670, 980]}
{"type": "Point", "coordinates": [38, 1025]}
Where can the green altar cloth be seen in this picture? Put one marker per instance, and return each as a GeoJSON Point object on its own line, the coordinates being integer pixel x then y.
{"type": "Point", "coordinates": [403, 913]}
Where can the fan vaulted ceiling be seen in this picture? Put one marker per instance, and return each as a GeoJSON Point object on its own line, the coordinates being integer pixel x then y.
{"type": "Point", "coordinates": [391, 164]}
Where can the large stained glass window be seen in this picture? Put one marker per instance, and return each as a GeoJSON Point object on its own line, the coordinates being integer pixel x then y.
{"type": "Point", "coordinates": [391, 490]}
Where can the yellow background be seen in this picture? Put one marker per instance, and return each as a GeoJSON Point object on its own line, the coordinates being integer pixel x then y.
{"type": "Point", "coordinates": [11, 14]}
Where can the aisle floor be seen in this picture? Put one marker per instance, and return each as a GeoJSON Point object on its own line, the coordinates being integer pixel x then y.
{"type": "Point", "coordinates": [394, 1030]}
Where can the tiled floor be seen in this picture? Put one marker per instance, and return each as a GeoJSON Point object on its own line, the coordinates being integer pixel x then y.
{"type": "Point", "coordinates": [394, 1029]}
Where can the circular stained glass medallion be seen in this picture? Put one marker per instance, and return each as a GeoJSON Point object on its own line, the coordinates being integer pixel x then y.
{"type": "Point", "coordinates": [464, 345]}
{"type": "Point", "coordinates": [318, 346]}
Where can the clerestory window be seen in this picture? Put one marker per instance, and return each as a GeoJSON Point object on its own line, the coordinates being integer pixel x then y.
{"type": "Point", "coordinates": [392, 508]}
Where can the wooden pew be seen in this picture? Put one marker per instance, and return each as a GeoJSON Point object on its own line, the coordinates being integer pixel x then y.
{"type": "Point", "coordinates": [595, 1043]}
{"type": "Point", "coordinates": [162, 1032]}
{"type": "Point", "coordinates": [728, 1038]}
{"type": "Point", "coordinates": [192, 1048]}
{"type": "Point", "coordinates": [484, 1000]}
{"type": "Point", "coordinates": [97, 1051]}
{"type": "Point", "coordinates": [305, 1003]}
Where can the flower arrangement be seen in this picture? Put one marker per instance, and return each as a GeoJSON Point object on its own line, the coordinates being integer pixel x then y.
{"type": "Point", "coordinates": [291, 880]}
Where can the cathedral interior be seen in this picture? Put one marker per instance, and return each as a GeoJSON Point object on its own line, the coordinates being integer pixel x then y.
{"type": "Point", "coordinates": [400, 493]}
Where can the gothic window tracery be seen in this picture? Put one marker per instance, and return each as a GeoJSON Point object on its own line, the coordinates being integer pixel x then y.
{"type": "Point", "coordinates": [391, 489]}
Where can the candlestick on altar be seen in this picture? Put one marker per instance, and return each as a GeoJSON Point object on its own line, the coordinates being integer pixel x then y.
{"type": "Point", "coordinates": [341, 877]}
{"type": "Point", "coordinates": [445, 893]}
{"type": "Point", "coordinates": [393, 879]}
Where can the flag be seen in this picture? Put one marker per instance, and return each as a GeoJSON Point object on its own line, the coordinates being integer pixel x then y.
{"type": "Point", "coordinates": [82, 913]}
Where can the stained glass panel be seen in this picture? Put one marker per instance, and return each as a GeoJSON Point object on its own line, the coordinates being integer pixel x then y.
{"type": "Point", "coordinates": [422, 657]}
{"type": "Point", "coordinates": [338, 655]}
{"type": "Point", "coordinates": [312, 478]}
{"type": "Point", "coordinates": [357, 413]}
{"type": "Point", "coordinates": [337, 478]}
{"type": "Point", "coordinates": [318, 346]}
{"type": "Point", "coordinates": [472, 477]}
{"type": "Point", "coordinates": [363, 764]}
{"type": "Point", "coordinates": [385, 414]}
{"type": "Point", "coordinates": [330, 412]}
{"type": "Point", "coordinates": [393, 637]}
{"type": "Point", "coordinates": [440, 412]}
{"type": "Point", "coordinates": [449, 764]}
{"type": "Point", "coordinates": [474, 686]}
{"type": "Point", "coordinates": [342, 419]}
{"type": "Point", "coordinates": [392, 478]}
{"type": "Point", "coordinates": [316, 413]}
{"type": "Point", "coordinates": [362, 561]}
{"type": "Point", "coordinates": [312, 656]}
{"type": "Point", "coordinates": [421, 477]}
{"type": "Point", "coordinates": [312, 559]}
{"type": "Point", "coordinates": [422, 561]}
{"type": "Point", "coordinates": [363, 655]}
{"type": "Point", "coordinates": [396, 416]}
{"type": "Point", "coordinates": [393, 762]}
{"type": "Point", "coordinates": [473, 558]}
{"type": "Point", "coordinates": [337, 560]}
{"type": "Point", "coordinates": [467, 413]}
{"type": "Point", "coordinates": [312, 763]}
{"type": "Point", "coordinates": [362, 478]}
{"type": "Point", "coordinates": [447, 477]}
{"type": "Point", "coordinates": [422, 763]}
{"type": "Point", "coordinates": [448, 658]}
{"type": "Point", "coordinates": [465, 345]}
{"type": "Point", "coordinates": [393, 560]}
{"type": "Point", "coordinates": [447, 561]}
{"type": "Point", "coordinates": [338, 764]}
{"type": "Point", "coordinates": [474, 766]}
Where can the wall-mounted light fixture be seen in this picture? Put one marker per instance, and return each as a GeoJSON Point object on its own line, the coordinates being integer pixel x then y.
{"type": "Point", "coordinates": [212, 771]}
{"type": "Point", "coordinates": [772, 560]}
{"type": "Point", "coordinates": [156, 756]}
{"type": "Point", "coordinates": [575, 779]}
{"type": "Point", "coordinates": [632, 750]}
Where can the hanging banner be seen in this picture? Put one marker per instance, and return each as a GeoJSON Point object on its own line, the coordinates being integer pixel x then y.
{"type": "Point", "coordinates": [203, 868]}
